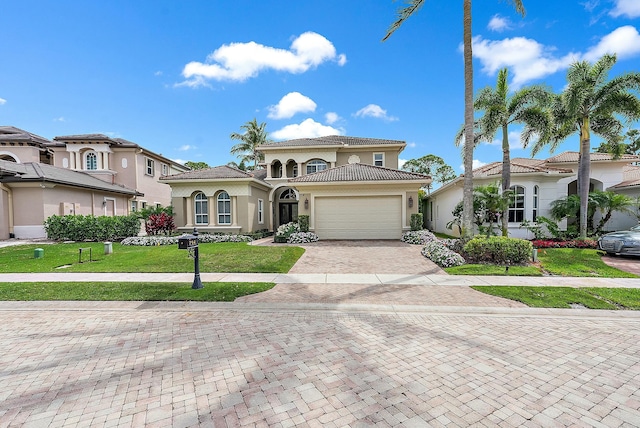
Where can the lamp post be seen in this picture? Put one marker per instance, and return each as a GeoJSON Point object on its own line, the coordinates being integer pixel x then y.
{"type": "Point", "coordinates": [197, 283]}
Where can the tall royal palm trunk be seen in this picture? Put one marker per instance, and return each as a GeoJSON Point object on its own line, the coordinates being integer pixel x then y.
{"type": "Point", "coordinates": [506, 176]}
{"type": "Point", "coordinates": [467, 192]}
{"type": "Point", "coordinates": [584, 167]}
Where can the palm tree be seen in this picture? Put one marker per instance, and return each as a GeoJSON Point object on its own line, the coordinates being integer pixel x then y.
{"type": "Point", "coordinates": [254, 135]}
{"type": "Point", "coordinates": [502, 109]}
{"type": "Point", "coordinates": [467, 193]}
{"type": "Point", "coordinates": [493, 202]}
{"type": "Point", "coordinates": [608, 202]}
{"type": "Point", "coordinates": [590, 103]}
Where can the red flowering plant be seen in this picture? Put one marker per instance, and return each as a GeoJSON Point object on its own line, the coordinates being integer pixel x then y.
{"type": "Point", "coordinates": [575, 243]}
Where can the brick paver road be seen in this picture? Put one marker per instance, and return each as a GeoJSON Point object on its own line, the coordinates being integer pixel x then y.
{"type": "Point", "coordinates": [134, 364]}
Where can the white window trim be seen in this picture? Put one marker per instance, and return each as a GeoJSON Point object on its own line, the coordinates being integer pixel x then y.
{"type": "Point", "coordinates": [315, 163]}
{"type": "Point", "coordinates": [230, 214]}
{"type": "Point", "coordinates": [374, 159]}
{"type": "Point", "coordinates": [134, 206]}
{"type": "Point", "coordinates": [86, 160]}
{"type": "Point", "coordinates": [165, 169]}
{"type": "Point", "coordinates": [524, 203]}
{"type": "Point", "coordinates": [260, 211]}
{"type": "Point", "coordinates": [205, 214]}
{"type": "Point", "coordinates": [146, 167]}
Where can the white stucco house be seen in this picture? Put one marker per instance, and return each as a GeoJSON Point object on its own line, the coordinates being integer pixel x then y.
{"type": "Point", "coordinates": [537, 183]}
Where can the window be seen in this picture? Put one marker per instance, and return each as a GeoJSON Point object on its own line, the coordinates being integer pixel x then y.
{"type": "Point", "coordinates": [165, 169]}
{"type": "Point", "coordinates": [260, 211]}
{"type": "Point", "coordinates": [289, 194]}
{"type": "Point", "coordinates": [143, 204]}
{"type": "Point", "coordinates": [516, 207]}
{"type": "Point", "coordinates": [378, 159]}
{"type": "Point", "coordinates": [535, 203]}
{"type": "Point", "coordinates": [158, 205]}
{"type": "Point", "coordinates": [224, 208]}
{"type": "Point", "coordinates": [91, 161]}
{"type": "Point", "coordinates": [201, 208]}
{"type": "Point", "coordinates": [134, 206]}
{"type": "Point", "coordinates": [316, 166]}
{"type": "Point", "coordinates": [150, 167]}
{"type": "Point", "coordinates": [295, 170]}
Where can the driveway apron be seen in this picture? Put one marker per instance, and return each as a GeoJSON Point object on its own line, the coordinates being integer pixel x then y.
{"type": "Point", "coordinates": [364, 257]}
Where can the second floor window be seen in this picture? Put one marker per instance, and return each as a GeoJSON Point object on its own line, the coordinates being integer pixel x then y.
{"type": "Point", "coordinates": [165, 169]}
{"type": "Point", "coordinates": [149, 167]}
{"type": "Point", "coordinates": [91, 161]}
{"type": "Point", "coordinates": [378, 159]}
{"type": "Point", "coordinates": [316, 166]}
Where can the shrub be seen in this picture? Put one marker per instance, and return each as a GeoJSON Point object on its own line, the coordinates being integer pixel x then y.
{"type": "Point", "coordinates": [416, 222]}
{"type": "Point", "coordinates": [302, 238]}
{"type": "Point", "coordinates": [173, 240]}
{"type": "Point", "coordinates": [303, 221]}
{"type": "Point", "coordinates": [159, 223]}
{"type": "Point", "coordinates": [285, 230]}
{"type": "Point", "coordinates": [456, 245]}
{"type": "Point", "coordinates": [499, 250]}
{"type": "Point", "coordinates": [438, 253]}
{"type": "Point", "coordinates": [418, 237]}
{"type": "Point", "coordinates": [91, 228]}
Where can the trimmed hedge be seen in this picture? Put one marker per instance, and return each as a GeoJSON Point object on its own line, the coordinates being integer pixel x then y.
{"type": "Point", "coordinates": [416, 222]}
{"type": "Point", "coordinates": [91, 228]}
{"type": "Point", "coordinates": [303, 221]}
{"type": "Point", "coordinates": [498, 250]}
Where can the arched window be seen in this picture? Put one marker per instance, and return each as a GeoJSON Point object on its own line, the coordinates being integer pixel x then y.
{"type": "Point", "coordinates": [516, 206]}
{"type": "Point", "coordinates": [224, 208]}
{"type": "Point", "coordinates": [316, 165]}
{"type": "Point", "coordinates": [288, 194]}
{"type": "Point", "coordinates": [9, 158]}
{"type": "Point", "coordinates": [201, 208]}
{"type": "Point", "coordinates": [91, 161]}
{"type": "Point", "coordinates": [536, 191]}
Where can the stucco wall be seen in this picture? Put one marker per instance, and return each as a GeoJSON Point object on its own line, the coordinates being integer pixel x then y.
{"type": "Point", "coordinates": [366, 157]}
{"type": "Point", "coordinates": [21, 154]}
{"type": "Point", "coordinates": [4, 214]}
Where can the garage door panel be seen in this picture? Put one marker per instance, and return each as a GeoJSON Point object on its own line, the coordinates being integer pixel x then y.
{"type": "Point", "coordinates": [358, 217]}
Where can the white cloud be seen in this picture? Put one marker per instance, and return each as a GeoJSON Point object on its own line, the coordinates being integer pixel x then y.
{"type": "Point", "coordinates": [181, 161]}
{"type": "Point", "coordinates": [59, 119]}
{"type": "Point", "coordinates": [186, 147]}
{"type": "Point", "coordinates": [412, 145]}
{"type": "Point", "coordinates": [526, 58]}
{"type": "Point", "coordinates": [308, 128]}
{"type": "Point", "coordinates": [158, 73]}
{"type": "Point", "coordinates": [476, 164]}
{"type": "Point", "coordinates": [590, 5]}
{"type": "Point", "coordinates": [241, 61]}
{"type": "Point", "coordinates": [401, 162]}
{"type": "Point", "coordinates": [623, 41]}
{"type": "Point", "coordinates": [2, 101]}
{"type": "Point", "coordinates": [331, 117]}
{"type": "Point", "coordinates": [514, 140]}
{"type": "Point", "coordinates": [630, 8]}
{"type": "Point", "coordinates": [499, 23]}
{"type": "Point", "coordinates": [290, 104]}
{"type": "Point", "coordinates": [374, 110]}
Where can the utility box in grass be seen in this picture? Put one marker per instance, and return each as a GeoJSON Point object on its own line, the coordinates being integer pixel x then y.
{"type": "Point", "coordinates": [38, 253]}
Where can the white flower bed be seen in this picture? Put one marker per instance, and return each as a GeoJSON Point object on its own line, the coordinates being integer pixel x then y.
{"type": "Point", "coordinates": [302, 238]}
{"type": "Point", "coordinates": [418, 237]}
{"type": "Point", "coordinates": [173, 240]}
{"type": "Point", "coordinates": [438, 253]}
{"type": "Point", "coordinates": [287, 229]}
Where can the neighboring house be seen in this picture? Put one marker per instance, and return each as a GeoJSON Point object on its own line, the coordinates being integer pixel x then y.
{"type": "Point", "coordinates": [538, 182]}
{"type": "Point", "coordinates": [77, 174]}
{"type": "Point", "coordinates": [350, 188]}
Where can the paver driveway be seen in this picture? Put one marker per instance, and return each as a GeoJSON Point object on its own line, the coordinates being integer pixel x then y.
{"type": "Point", "coordinates": [372, 256]}
{"type": "Point", "coordinates": [132, 364]}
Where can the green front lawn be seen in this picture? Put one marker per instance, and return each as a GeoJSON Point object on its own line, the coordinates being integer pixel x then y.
{"type": "Point", "coordinates": [579, 262]}
{"type": "Point", "coordinates": [156, 291]}
{"type": "Point", "coordinates": [564, 297]}
{"type": "Point", "coordinates": [214, 257]}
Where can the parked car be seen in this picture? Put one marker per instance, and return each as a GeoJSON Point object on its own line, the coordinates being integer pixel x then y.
{"type": "Point", "coordinates": [622, 242]}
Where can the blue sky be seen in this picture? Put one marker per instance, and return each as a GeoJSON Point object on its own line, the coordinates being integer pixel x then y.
{"type": "Point", "coordinates": [178, 77]}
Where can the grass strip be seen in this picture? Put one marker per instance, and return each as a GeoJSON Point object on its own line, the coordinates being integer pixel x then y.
{"type": "Point", "coordinates": [567, 297]}
{"type": "Point", "coordinates": [214, 257]}
{"type": "Point", "coordinates": [582, 262]}
{"type": "Point", "coordinates": [478, 269]}
{"type": "Point", "coordinates": [127, 291]}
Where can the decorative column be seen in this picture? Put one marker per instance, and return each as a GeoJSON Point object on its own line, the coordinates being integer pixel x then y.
{"type": "Point", "coordinates": [300, 169]}
{"type": "Point", "coordinates": [105, 159]}
{"type": "Point", "coordinates": [234, 211]}
{"type": "Point", "coordinates": [212, 209]}
{"type": "Point", "coordinates": [269, 171]}
{"type": "Point", "coordinates": [190, 220]}
{"type": "Point", "coordinates": [78, 160]}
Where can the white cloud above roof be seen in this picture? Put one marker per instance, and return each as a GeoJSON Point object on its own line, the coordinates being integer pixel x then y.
{"type": "Point", "coordinates": [2, 101]}
{"type": "Point", "coordinates": [476, 164]}
{"type": "Point", "coordinates": [308, 128]}
{"type": "Point", "coordinates": [241, 61]}
{"type": "Point", "coordinates": [529, 60]}
{"type": "Point", "coordinates": [499, 23]}
{"type": "Point", "coordinates": [374, 110]}
{"type": "Point", "coordinates": [290, 104]}
{"type": "Point", "coordinates": [630, 8]}
{"type": "Point", "coordinates": [331, 117]}
{"type": "Point", "coordinates": [186, 147]}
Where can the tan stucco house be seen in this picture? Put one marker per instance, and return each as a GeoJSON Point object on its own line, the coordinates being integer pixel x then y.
{"type": "Point", "coordinates": [350, 188]}
{"type": "Point", "coordinates": [77, 174]}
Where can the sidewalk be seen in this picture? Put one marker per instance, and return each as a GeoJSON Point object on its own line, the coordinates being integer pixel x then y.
{"type": "Point", "coordinates": [372, 279]}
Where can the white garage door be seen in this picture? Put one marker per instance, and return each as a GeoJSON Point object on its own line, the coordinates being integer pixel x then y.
{"type": "Point", "coordinates": [364, 217]}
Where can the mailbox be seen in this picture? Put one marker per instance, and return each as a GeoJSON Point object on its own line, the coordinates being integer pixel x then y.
{"type": "Point", "coordinates": [187, 241]}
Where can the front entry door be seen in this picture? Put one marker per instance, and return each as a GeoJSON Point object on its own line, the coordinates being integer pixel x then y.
{"type": "Point", "coordinates": [288, 212]}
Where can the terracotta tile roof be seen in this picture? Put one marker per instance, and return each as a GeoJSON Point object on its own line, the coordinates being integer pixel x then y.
{"type": "Point", "coordinates": [333, 140]}
{"type": "Point", "coordinates": [13, 134]}
{"type": "Point", "coordinates": [572, 157]}
{"type": "Point", "coordinates": [83, 137]}
{"type": "Point", "coordinates": [32, 171]}
{"type": "Point", "coordinates": [518, 167]}
{"type": "Point", "coordinates": [628, 183]}
{"type": "Point", "coordinates": [215, 173]}
{"type": "Point", "coordinates": [360, 172]}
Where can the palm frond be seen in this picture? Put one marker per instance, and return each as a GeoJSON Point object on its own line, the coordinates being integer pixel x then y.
{"type": "Point", "coordinates": [403, 14]}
